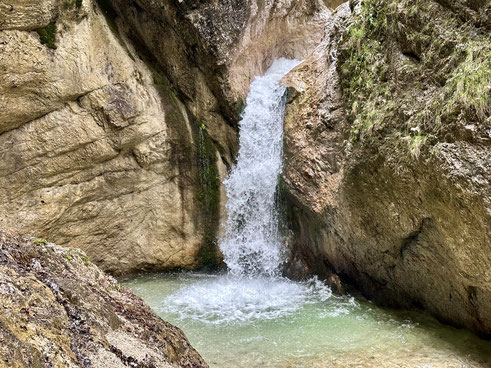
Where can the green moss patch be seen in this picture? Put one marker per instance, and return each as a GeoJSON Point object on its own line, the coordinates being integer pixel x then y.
{"type": "Point", "coordinates": [364, 69]}
{"type": "Point", "coordinates": [208, 197]}
{"type": "Point", "coordinates": [47, 35]}
{"type": "Point", "coordinates": [469, 85]}
{"type": "Point", "coordinates": [413, 72]}
{"type": "Point", "coordinates": [84, 259]}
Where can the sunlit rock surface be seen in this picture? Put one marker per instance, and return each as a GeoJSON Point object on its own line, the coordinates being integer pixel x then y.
{"type": "Point", "coordinates": [91, 155]}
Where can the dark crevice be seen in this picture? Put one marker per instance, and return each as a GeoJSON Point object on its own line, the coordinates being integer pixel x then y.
{"type": "Point", "coordinates": [412, 240]}
{"type": "Point", "coordinates": [412, 55]}
{"type": "Point", "coordinates": [47, 35]}
{"type": "Point", "coordinates": [129, 360]}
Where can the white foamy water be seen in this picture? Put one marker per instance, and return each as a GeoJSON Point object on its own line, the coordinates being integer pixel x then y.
{"type": "Point", "coordinates": [251, 245]}
{"type": "Point", "coordinates": [251, 317]}
{"type": "Point", "coordinates": [227, 299]}
{"type": "Point", "coordinates": [259, 323]}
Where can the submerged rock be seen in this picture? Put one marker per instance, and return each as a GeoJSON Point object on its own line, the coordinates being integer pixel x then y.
{"type": "Point", "coordinates": [60, 310]}
{"type": "Point", "coordinates": [387, 150]}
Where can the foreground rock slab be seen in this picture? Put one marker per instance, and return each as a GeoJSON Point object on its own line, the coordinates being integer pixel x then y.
{"type": "Point", "coordinates": [59, 310]}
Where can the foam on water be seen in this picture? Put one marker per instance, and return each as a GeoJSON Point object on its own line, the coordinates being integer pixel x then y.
{"type": "Point", "coordinates": [252, 317]}
{"type": "Point", "coordinates": [252, 246]}
{"type": "Point", "coordinates": [256, 324]}
{"type": "Point", "coordinates": [228, 299]}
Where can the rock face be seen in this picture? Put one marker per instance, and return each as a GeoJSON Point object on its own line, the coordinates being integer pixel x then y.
{"type": "Point", "coordinates": [387, 173]}
{"type": "Point", "coordinates": [59, 310]}
{"type": "Point", "coordinates": [90, 154]}
{"type": "Point", "coordinates": [210, 51]}
{"type": "Point", "coordinates": [117, 121]}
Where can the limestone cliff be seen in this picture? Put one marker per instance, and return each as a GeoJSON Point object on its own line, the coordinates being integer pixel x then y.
{"type": "Point", "coordinates": [91, 154]}
{"type": "Point", "coordinates": [59, 310]}
{"type": "Point", "coordinates": [117, 119]}
{"type": "Point", "coordinates": [388, 159]}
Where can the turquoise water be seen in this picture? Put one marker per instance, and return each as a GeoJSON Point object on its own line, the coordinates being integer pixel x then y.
{"type": "Point", "coordinates": [279, 323]}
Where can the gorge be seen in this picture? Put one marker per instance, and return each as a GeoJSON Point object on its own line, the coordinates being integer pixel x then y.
{"type": "Point", "coordinates": [156, 136]}
{"type": "Point", "coordinates": [252, 316]}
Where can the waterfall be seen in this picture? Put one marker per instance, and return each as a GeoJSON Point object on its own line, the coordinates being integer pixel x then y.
{"type": "Point", "coordinates": [253, 290]}
{"type": "Point", "coordinates": [251, 245]}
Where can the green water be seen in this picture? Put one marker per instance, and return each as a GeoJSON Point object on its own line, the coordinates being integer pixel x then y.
{"type": "Point", "coordinates": [265, 323]}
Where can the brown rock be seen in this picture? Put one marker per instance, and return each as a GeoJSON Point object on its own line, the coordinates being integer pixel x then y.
{"type": "Point", "coordinates": [399, 204]}
{"type": "Point", "coordinates": [60, 310]}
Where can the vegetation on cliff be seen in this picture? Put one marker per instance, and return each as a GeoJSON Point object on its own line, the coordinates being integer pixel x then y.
{"type": "Point", "coordinates": [47, 35]}
{"type": "Point", "coordinates": [414, 77]}
{"type": "Point", "coordinates": [388, 168]}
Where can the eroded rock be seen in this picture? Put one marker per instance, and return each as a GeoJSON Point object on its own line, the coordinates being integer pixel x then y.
{"type": "Point", "coordinates": [387, 168]}
{"type": "Point", "coordinates": [91, 155]}
{"type": "Point", "coordinates": [59, 310]}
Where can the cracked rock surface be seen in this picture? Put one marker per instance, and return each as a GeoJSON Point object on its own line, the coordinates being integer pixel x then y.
{"type": "Point", "coordinates": [88, 151]}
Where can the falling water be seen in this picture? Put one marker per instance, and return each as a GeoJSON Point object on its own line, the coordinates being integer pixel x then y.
{"type": "Point", "coordinates": [252, 290]}
{"type": "Point", "coordinates": [251, 245]}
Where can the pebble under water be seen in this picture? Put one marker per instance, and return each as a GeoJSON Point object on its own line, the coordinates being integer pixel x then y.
{"type": "Point", "coordinates": [266, 322]}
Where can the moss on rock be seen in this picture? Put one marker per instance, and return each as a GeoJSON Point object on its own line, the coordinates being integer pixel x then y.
{"type": "Point", "coordinates": [47, 35]}
{"type": "Point", "coordinates": [408, 72]}
{"type": "Point", "coordinates": [401, 209]}
{"type": "Point", "coordinates": [208, 197]}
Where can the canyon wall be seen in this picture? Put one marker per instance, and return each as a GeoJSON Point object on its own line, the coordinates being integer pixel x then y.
{"type": "Point", "coordinates": [387, 156]}
{"type": "Point", "coordinates": [118, 120]}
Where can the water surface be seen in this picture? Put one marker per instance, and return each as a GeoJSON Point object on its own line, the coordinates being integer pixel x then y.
{"type": "Point", "coordinates": [252, 317]}
{"type": "Point", "coordinates": [273, 322]}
